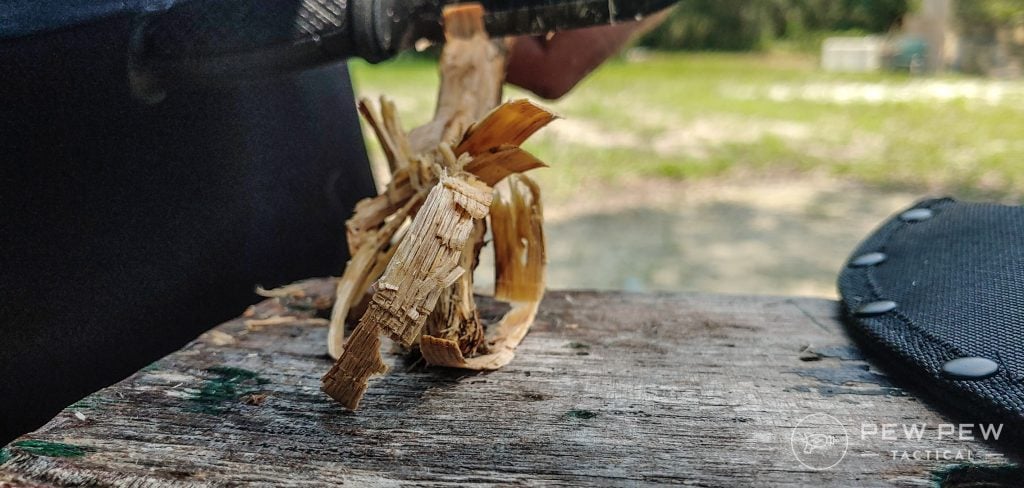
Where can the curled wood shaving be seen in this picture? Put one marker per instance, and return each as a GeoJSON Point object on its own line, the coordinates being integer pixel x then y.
{"type": "Point", "coordinates": [260, 324]}
{"type": "Point", "coordinates": [218, 338]}
{"type": "Point", "coordinates": [387, 128]}
{"type": "Point", "coordinates": [427, 261]}
{"type": "Point", "coordinates": [425, 264]}
{"type": "Point", "coordinates": [510, 124]}
{"type": "Point", "coordinates": [493, 166]}
{"type": "Point", "coordinates": [455, 318]}
{"type": "Point", "coordinates": [376, 249]}
{"type": "Point", "coordinates": [316, 293]}
{"type": "Point", "coordinates": [507, 336]}
{"type": "Point", "coordinates": [517, 222]}
{"type": "Point", "coordinates": [517, 225]}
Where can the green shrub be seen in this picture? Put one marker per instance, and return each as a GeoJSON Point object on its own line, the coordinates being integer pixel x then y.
{"type": "Point", "coordinates": [741, 25]}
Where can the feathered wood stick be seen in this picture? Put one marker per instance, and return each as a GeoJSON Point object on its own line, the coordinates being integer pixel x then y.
{"type": "Point", "coordinates": [444, 180]}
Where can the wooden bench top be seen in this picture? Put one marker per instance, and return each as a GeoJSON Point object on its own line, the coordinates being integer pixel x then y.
{"type": "Point", "coordinates": [608, 388]}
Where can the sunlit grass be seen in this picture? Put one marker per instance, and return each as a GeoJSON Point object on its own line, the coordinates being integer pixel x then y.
{"type": "Point", "coordinates": [698, 116]}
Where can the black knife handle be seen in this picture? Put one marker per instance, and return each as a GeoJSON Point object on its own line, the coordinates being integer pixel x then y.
{"type": "Point", "coordinates": [223, 40]}
{"type": "Point", "coordinates": [211, 40]}
{"type": "Point", "coordinates": [518, 17]}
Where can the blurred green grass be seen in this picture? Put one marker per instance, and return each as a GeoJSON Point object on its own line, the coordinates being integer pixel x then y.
{"type": "Point", "coordinates": [696, 116]}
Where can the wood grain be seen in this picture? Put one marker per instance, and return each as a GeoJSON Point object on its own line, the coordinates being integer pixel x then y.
{"type": "Point", "coordinates": [607, 389]}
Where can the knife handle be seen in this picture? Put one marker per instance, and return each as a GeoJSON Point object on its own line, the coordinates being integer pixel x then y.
{"type": "Point", "coordinates": [222, 40]}
{"type": "Point", "coordinates": [213, 40]}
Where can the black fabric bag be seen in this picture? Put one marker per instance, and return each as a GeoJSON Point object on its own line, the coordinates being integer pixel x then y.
{"type": "Point", "coordinates": [129, 227]}
{"type": "Point", "coordinates": [937, 295]}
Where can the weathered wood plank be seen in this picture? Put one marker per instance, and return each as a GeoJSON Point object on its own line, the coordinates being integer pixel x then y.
{"type": "Point", "coordinates": [608, 388]}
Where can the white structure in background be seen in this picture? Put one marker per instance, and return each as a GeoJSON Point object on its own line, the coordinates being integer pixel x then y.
{"type": "Point", "coordinates": [852, 54]}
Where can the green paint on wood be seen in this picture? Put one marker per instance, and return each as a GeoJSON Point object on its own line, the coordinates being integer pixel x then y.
{"type": "Point", "coordinates": [5, 455]}
{"type": "Point", "coordinates": [50, 449]}
{"type": "Point", "coordinates": [969, 474]}
{"type": "Point", "coordinates": [581, 348]}
{"type": "Point", "coordinates": [228, 384]}
{"type": "Point", "coordinates": [581, 414]}
{"type": "Point", "coordinates": [232, 373]}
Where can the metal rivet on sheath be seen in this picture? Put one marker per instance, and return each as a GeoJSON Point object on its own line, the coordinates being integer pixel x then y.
{"type": "Point", "coordinates": [868, 259]}
{"type": "Point", "coordinates": [871, 309]}
{"type": "Point", "coordinates": [970, 368]}
{"type": "Point", "coordinates": [916, 214]}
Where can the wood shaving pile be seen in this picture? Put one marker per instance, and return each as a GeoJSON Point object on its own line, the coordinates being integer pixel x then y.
{"type": "Point", "coordinates": [415, 246]}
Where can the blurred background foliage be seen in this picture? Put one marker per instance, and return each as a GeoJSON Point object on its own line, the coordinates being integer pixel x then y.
{"type": "Point", "coordinates": [992, 14]}
{"type": "Point", "coordinates": [744, 25]}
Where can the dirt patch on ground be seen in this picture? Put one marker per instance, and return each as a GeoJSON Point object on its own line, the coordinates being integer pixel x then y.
{"type": "Point", "coordinates": [786, 236]}
{"type": "Point", "coordinates": [700, 136]}
{"type": "Point", "coordinates": [672, 137]}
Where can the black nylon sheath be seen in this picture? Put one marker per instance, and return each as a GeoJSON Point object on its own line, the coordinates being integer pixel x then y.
{"type": "Point", "coordinates": [958, 281]}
